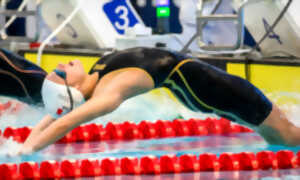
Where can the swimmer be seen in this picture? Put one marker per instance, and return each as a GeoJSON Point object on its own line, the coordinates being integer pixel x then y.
{"type": "Point", "coordinates": [73, 97]}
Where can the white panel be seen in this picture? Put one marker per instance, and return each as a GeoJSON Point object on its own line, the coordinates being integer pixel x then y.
{"type": "Point", "coordinates": [285, 36]}
{"type": "Point", "coordinates": [91, 26]}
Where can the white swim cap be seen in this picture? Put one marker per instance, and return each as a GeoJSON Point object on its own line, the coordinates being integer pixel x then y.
{"type": "Point", "coordinates": [56, 98]}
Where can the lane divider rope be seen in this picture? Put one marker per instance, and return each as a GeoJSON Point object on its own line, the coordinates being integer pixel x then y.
{"type": "Point", "coordinates": [143, 130]}
{"type": "Point", "coordinates": [207, 162]}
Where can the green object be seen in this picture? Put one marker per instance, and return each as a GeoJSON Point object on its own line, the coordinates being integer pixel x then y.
{"type": "Point", "coordinates": [163, 12]}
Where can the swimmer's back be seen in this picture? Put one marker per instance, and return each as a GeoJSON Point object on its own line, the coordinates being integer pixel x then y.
{"type": "Point", "coordinates": [157, 62]}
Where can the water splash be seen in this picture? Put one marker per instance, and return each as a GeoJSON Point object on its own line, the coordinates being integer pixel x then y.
{"type": "Point", "coordinates": [289, 102]}
{"type": "Point", "coordinates": [19, 114]}
{"type": "Point", "coordinates": [150, 106]}
{"type": "Point", "coordinates": [8, 146]}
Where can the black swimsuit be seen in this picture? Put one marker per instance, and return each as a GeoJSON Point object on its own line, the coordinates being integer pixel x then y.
{"type": "Point", "coordinates": [20, 78]}
{"type": "Point", "coordinates": [198, 85]}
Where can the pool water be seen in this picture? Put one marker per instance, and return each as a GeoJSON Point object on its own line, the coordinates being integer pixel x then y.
{"type": "Point", "coordinates": [249, 142]}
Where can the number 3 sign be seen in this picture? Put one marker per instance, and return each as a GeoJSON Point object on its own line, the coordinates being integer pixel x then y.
{"type": "Point", "coordinates": [121, 14]}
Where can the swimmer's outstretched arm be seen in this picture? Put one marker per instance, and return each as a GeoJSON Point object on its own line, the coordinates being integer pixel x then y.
{"type": "Point", "coordinates": [106, 98]}
{"type": "Point", "coordinates": [95, 107]}
{"type": "Point", "coordinates": [39, 128]}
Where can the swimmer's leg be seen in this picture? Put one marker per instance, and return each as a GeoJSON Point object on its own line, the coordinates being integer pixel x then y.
{"type": "Point", "coordinates": [277, 129]}
{"type": "Point", "coordinates": [20, 78]}
{"type": "Point", "coordinates": [209, 89]}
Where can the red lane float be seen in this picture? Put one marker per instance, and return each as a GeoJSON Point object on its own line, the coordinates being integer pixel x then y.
{"type": "Point", "coordinates": [189, 163]}
{"type": "Point", "coordinates": [9, 171]}
{"type": "Point", "coordinates": [130, 165]}
{"type": "Point", "coordinates": [90, 168]}
{"type": "Point", "coordinates": [169, 164]}
{"type": "Point", "coordinates": [143, 130]}
{"type": "Point", "coordinates": [29, 170]}
{"type": "Point", "coordinates": [152, 165]}
{"type": "Point", "coordinates": [110, 166]}
{"type": "Point", "coordinates": [209, 162]}
{"type": "Point", "coordinates": [50, 170]}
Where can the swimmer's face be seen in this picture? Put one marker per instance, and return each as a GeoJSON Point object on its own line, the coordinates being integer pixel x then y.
{"type": "Point", "coordinates": [74, 71]}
